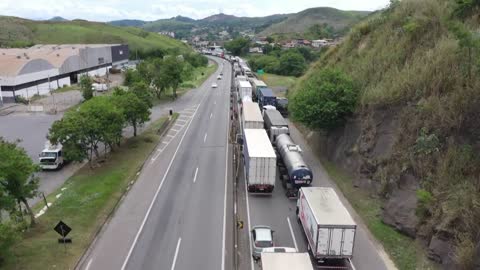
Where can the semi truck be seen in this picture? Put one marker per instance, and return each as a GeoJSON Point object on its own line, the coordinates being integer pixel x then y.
{"type": "Point", "coordinates": [275, 124]}
{"type": "Point", "coordinates": [286, 261]}
{"type": "Point", "coordinates": [251, 115]}
{"type": "Point", "coordinates": [244, 89]}
{"type": "Point", "coordinates": [51, 158]}
{"type": "Point", "coordinates": [260, 161]}
{"type": "Point", "coordinates": [266, 97]}
{"type": "Point", "coordinates": [329, 228]}
{"type": "Point", "coordinates": [294, 172]}
{"type": "Point", "coordinates": [256, 86]}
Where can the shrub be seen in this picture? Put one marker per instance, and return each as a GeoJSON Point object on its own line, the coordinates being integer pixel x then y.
{"type": "Point", "coordinates": [324, 99]}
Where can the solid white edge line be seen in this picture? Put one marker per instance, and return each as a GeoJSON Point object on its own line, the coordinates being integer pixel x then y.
{"type": "Point", "coordinates": [157, 192]}
{"type": "Point", "coordinates": [88, 264]}
{"type": "Point", "coordinates": [293, 235]}
{"type": "Point", "coordinates": [176, 253]}
{"type": "Point", "coordinates": [195, 177]}
{"type": "Point", "coordinates": [211, 115]}
{"type": "Point", "coordinates": [351, 263]}
{"type": "Point", "coordinates": [225, 196]}
{"type": "Point", "coordinates": [248, 219]}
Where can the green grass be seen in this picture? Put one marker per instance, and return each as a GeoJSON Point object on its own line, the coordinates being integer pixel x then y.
{"type": "Point", "coordinates": [404, 251]}
{"type": "Point", "coordinates": [85, 204]}
{"type": "Point", "coordinates": [15, 30]}
{"type": "Point", "coordinates": [273, 80]}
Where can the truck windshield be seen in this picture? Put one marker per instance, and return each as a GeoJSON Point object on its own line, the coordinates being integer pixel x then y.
{"type": "Point", "coordinates": [48, 155]}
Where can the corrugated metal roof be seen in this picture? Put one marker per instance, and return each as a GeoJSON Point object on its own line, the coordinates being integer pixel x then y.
{"type": "Point", "coordinates": [258, 143]}
{"type": "Point", "coordinates": [13, 60]}
{"type": "Point", "coordinates": [327, 207]}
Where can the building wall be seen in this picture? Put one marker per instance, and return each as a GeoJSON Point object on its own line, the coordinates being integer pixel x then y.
{"type": "Point", "coordinates": [39, 89]}
{"type": "Point", "coordinates": [120, 53]}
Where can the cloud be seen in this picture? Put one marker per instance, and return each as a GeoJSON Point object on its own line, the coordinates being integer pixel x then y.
{"type": "Point", "coordinates": [107, 10]}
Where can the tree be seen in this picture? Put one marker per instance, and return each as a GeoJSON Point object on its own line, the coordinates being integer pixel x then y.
{"type": "Point", "coordinates": [16, 174]}
{"type": "Point", "coordinates": [9, 234]}
{"type": "Point", "coordinates": [86, 87]}
{"type": "Point", "coordinates": [135, 111]}
{"type": "Point", "coordinates": [268, 63]}
{"type": "Point", "coordinates": [131, 77]}
{"type": "Point", "coordinates": [81, 132]}
{"type": "Point", "coordinates": [172, 70]}
{"type": "Point", "coordinates": [292, 63]}
{"type": "Point", "coordinates": [270, 39]}
{"type": "Point", "coordinates": [238, 46]}
{"type": "Point", "coordinates": [141, 90]}
{"type": "Point", "coordinates": [324, 99]}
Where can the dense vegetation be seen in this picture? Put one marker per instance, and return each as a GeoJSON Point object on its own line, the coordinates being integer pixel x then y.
{"type": "Point", "coordinates": [291, 62]}
{"type": "Point", "coordinates": [418, 60]}
{"type": "Point", "coordinates": [337, 20]}
{"type": "Point", "coordinates": [16, 32]}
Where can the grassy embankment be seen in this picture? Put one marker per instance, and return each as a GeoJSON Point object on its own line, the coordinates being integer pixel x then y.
{"type": "Point", "coordinates": [17, 32]}
{"type": "Point", "coordinates": [278, 81]}
{"type": "Point", "coordinates": [85, 204]}
{"type": "Point", "coordinates": [414, 62]}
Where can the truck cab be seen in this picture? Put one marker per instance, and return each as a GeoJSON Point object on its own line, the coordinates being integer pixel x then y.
{"type": "Point", "coordinates": [51, 158]}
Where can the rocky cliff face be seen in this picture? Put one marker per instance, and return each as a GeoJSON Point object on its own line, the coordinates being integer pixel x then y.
{"type": "Point", "coordinates": [364, 147]}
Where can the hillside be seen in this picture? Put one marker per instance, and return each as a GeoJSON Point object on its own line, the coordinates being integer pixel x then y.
{"type": "Point", "coordinates": [132, 23]}
{"type": "Point", "coordinates": [414, 138]}
{"type": "Point", "coordinates": [17, 32]}
{"type": "Point", "coordinates": [339, 20]}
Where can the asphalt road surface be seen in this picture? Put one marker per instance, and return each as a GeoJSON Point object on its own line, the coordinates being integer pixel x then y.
{"type": "Point", "coordinates": [177, 215]}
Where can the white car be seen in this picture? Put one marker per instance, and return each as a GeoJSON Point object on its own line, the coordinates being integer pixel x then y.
{"type": "Point", "coordinates": [262, 237]}
{"type": "Point", "coordinates": [219, 77]}
{"type": "Point", "coordinates": [214, 85]}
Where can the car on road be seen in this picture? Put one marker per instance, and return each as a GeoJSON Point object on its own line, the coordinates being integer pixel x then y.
{"type": "Point", "coordinates": [221, 73]}
{"type": "Point", "coordinates": [262, 237]}
{"type": "Point", "coordinates": [214, 85]}
{"type": "Point", "coordinates": [219, 77]}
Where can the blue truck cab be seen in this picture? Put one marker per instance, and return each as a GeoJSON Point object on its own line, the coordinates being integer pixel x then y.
{"type": "Point", "coordinates": [266, 97]}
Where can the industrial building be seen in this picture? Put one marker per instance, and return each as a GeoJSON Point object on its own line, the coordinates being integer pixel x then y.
{"type": "Point", "coordinates": [42, 68]}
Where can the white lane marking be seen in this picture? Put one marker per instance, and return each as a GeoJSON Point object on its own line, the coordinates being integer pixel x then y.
{"type": "Point", "coordinates": [351, 264]}
{"type": "Point", "coordinates": [225, 196]}
{"type": "Point", "coordinates": [171, 136]}
{"type": "Point", "coordinates": [156, 195]}
{"type": "Point", "coordinates": [88, 264]}
{"type": "Point", "coordinates": [205, 138]}
{"type": "Point", "coordinates": [176, 253]}
{"type": "Point", "coordinates": [211, 115]}
{"type": "Point", "coordinates": [178, 125]}
{"type": "Point", "coordinates": [293, 235]}
{"type": "Point", "coordinates": [195, 177]}
{"type": "Point", "coordinates": [215, 102]}
{"type": "Point", "coordinates": [176, 130]}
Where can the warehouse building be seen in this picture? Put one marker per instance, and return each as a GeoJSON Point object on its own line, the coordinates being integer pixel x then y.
{"type": "Point", "coordinates": [42, 68]}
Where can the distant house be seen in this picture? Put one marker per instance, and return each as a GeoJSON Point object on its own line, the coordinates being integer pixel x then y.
{"type": "Point", "coordinates": [256, 50]}
{"type": "Point", "coordinates": [260, 42]}
{"type": "Point", "coordinates": [289, 45]}
{"type": "Point", "coordinates": [167, 33]}
{"type": "Point", "coordinates": [319, 43]}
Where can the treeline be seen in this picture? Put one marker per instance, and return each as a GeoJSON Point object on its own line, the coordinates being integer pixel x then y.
{"type": "Point", "coordinates": [290, 62]}
{"type": "Point", "coordinates": [166, 73]}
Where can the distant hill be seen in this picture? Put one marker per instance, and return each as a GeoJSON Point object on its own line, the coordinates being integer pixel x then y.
{"type": "Point", "coordinates": [219, 18]}
{"type": "Point", "coordinates": [18, 32]}
{"type": "Point", "coordinates": [339, 20]}
{"type": "Point", "coordinates": [58, 19]}
{"type": "Point", "coordinates": [133, 23]}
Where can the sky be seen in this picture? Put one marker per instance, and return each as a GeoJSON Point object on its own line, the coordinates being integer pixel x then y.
{"type": "Point", "coordinates": [149, 10]}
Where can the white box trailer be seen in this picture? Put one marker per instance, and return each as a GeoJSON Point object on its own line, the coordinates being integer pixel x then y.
{"type": "Point", "coordinates": [286, 261]}
{"type": "Point", "coordinates": [251, 115]}
{"type": "Point", "coordinates": [244, 89]}
{"type": "Point", "coordinates": [329, 228]}
{"type": "Point", "coordinates": [260, 161]}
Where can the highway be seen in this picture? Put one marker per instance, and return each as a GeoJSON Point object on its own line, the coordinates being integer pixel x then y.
{"type": "Point", "coordinates": [178, 213]}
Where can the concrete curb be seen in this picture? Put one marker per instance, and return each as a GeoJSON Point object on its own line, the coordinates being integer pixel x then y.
{"type": "Point", "coordinates": [161, 131]}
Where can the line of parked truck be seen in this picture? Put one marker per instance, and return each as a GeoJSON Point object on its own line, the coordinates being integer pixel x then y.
{"type": "Point", "coordinates": [268, 149]}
